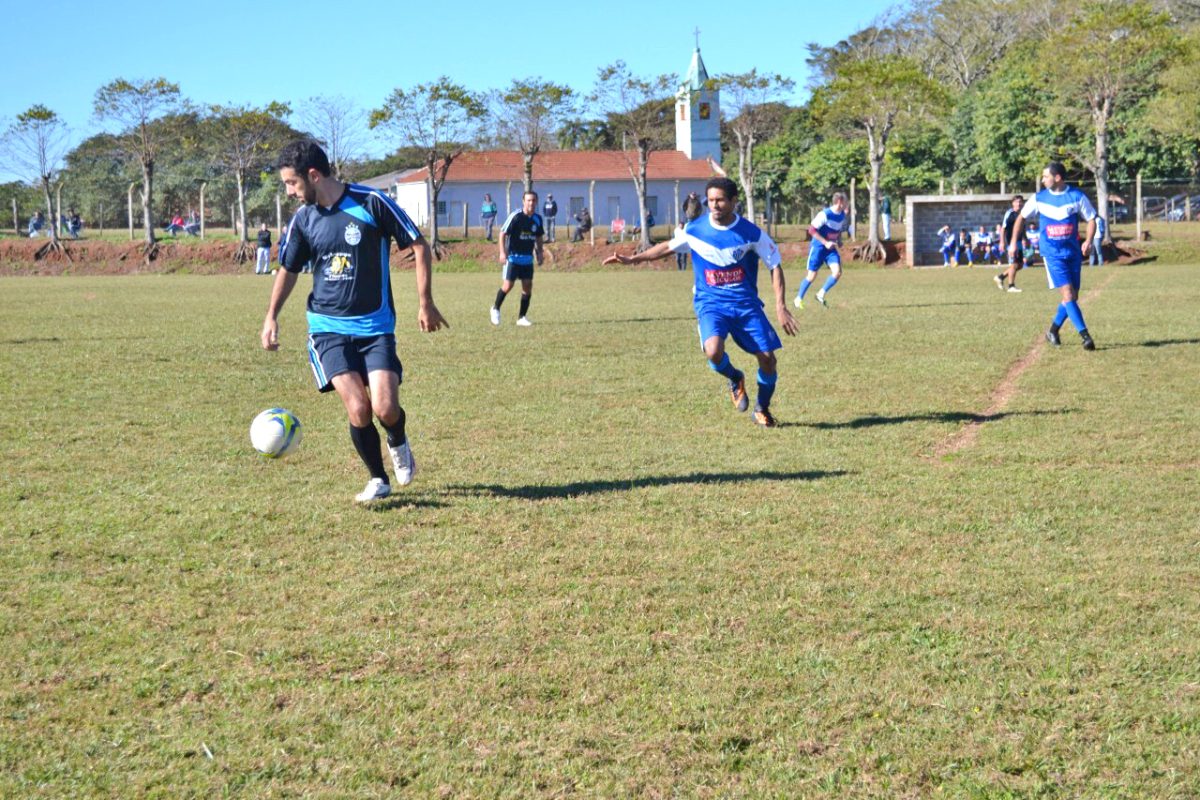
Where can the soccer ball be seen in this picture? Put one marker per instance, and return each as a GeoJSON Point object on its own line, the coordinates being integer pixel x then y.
{"type": "Point", "coordinates": [275, 432]}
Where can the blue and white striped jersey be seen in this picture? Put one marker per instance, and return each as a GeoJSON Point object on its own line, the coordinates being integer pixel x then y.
{"type": "Point", "coordinates": [350, 248]}
{"type": "Point", "coordinates": [725, 260]}
{"type": "Point", "coordinates": [829, 224]}
{"type": "Point", "coordinates": [1058, 223]}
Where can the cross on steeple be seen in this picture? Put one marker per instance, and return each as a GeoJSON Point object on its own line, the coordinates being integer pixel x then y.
{"type": "Point", "coordinates": [697, 34]}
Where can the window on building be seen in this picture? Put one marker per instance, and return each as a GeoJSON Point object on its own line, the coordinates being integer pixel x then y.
{"type": "Point", "coordinates": [441, 208]}
{"type": "Point", "coordinates": [576, 205]}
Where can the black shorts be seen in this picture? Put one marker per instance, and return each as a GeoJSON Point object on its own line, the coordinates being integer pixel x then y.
{"type": "Point", "coordinates": [1018, 260]}
{"type": "Point", "coordinates": [331, 354]}
{"type": "Point", "coordinates": [518, 272]}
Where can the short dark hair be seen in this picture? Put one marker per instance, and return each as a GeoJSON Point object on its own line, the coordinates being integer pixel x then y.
{"type": "Point", "coordinates": [303, 155]}
{"type": "Point", "coordinates": [532, 192]}
{"type": "Point", "coordinates": [1056, 169]}
{"type": "Point", "coordinates": [1017, 197]}
{"type": "Point", "coordinates": [727, 187]}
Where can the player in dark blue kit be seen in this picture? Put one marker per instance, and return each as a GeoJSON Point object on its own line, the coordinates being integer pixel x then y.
{"type": "Point", "coordinates": [726, 250]}
{"type": "Point", "coordinates": [520, 244]}
{"type": "Point", "coordinates": [344, 230]}
{"type": "Point", "coordinates": [1059, 208]}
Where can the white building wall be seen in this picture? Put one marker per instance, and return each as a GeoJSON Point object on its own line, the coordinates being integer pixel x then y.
{"type": "Point", "coordinates": [611, 197]}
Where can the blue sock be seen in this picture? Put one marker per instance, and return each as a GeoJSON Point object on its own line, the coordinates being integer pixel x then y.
{"type": "Point", "coordinates": [727, 369]}
{"type": "Point", "coordinates": [804, 287]}
{"type": "Point", "coordinates": [766, 388]}
{"type": "Point", "coordinates": [1060, 316]}
{"type": "Point", "coordinates": [1071, 309]}
{"type": "Point", "coordinates": [829, 284]}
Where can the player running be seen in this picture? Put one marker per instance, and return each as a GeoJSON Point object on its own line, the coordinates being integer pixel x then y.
{"type": "Point", "coordinates": [344, 230]}
{"type": "Point", "coordinates": [520, 244]}
{"type": "Point", "coordinates": [726, 250]}
{"type": "Point", "coordinates": [1016, 258]}
{"type": "Point", "coordinates": [825, 231]}
{"type": "Point", "coordinates": [1059, 208]}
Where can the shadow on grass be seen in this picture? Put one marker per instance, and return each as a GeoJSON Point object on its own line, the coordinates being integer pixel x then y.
{"type": "Point", "coordinates": [927, 305]}
{"type": "Point", "coordinates": [564, 491]}
{"type": "Point", "coordinates": [1151, 343]}
{"type": "Point", "coordinates": [875, 420]}
{"type": "Point", "coordinates": [402, 501]}
{"type": "Point", "coordinates": [687, 318]}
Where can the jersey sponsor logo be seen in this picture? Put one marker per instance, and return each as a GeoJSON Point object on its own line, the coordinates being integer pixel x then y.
{"type": "Point", "coordinates": [1061, 230]}
{"type": "Point", "coordinates": [353, 234]}
{"type": "Point", "coordinates": [339, 268]}
{"type": "Point", "coordinates": [724, 277]}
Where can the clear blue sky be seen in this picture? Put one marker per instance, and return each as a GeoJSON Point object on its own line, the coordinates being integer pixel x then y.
{"type": "Point", "coordinates": [255, 52]}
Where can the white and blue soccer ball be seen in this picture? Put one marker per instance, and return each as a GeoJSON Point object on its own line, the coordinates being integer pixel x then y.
{"type": "Point", "coordinates": [275, 432]}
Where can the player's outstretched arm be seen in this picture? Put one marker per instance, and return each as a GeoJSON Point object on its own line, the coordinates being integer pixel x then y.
{"type": "Point", "coordinates": [284, 281]}
{"type": "Point", "coordinates": [782, 312]}
{"type": "Point", "coordinates": [653, 254]}
{"type": "Point", "coordinates": [429, 319]}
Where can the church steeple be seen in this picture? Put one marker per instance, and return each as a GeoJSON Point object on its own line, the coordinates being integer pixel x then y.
{"type": "Point", "coordinates": [698, 112]}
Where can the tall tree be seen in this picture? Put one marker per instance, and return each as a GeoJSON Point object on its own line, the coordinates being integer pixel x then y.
{"type": "Point", "coordinates": [641, 110]}
{"type": "Point", "coordinates": [755, 114]}
{"type": "Point", "coordinates": [339, 125]}
{"type": "Point", "coordinates": [243, 139]}
{"type": "Point", "coordinates": [1109, 56]}
{"type": "Point", "coordinates": [873, 96]}
{"type": "Point", "coordinates": [967, 39]}
{"type": "Point", "coordinates": [528, 114]}
{"type": "Point", "coordinates": [438, 118]}
{"type": "Point", "coordinates": [36, 144]}
{"type": "Point", "coordinates": [134, 106]}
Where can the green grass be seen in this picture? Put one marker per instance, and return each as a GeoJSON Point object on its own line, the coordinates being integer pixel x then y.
{"type": "Point", "coordinates": [604, 582]}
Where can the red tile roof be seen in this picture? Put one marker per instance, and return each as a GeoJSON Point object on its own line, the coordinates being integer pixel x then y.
{"type": "Point", "coordinates": [568, 165]}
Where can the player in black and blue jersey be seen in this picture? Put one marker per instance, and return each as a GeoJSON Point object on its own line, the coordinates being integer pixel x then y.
{"type": "Point", "coordinates": [520, 245]}
{"type": "Point", "coordinates": [344, 230]}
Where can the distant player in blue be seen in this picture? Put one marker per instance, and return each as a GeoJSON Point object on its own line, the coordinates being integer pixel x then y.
{"type": "Point", "coordinates": [825, 231]}
{"type": "Point", "coordinates": [1059, 208]}
{"type": "Point", "coordinates": [949, 246]}
{"type": "Point", "coordinates": [344, 230]}
{"type": "Point", "coordinates": [520, 245]}
{"type": "Point", "coordinates": [726, 250]}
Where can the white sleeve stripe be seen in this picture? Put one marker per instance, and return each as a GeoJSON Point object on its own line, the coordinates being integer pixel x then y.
{"type": "Point", "coordinates": [398, 213]}
{"type": "Point", "coordinates": [507, 222]}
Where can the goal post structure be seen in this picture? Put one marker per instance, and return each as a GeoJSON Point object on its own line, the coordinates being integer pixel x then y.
{"type": "Point", "coordinates": [926, 213]}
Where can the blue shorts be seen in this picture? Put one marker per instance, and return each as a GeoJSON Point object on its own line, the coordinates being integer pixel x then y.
{"type": "Point", "coordinates": [822, 255]}
{"type": "Point", "coordinates": [331, 354]}
{"type": "Point", "coordinates": [518, 272]}
{"type": "Point", "coordinates": [748, 327]}
{"type": "Point", "coordinates": [1064, 273]}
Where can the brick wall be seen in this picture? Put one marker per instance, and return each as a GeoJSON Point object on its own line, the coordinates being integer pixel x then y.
{"type": "Point", "coordinates": [927, 213]}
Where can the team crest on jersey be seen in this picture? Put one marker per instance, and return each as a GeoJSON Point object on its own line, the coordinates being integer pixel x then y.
{"type": "Point", "coordinates": [353, 234]}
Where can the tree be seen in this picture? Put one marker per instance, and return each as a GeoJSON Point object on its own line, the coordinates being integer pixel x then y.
{"type": "Point", "coordinates": [755, 115]}
{"type": "Point", "coordinates": [436, 117]}
{"type": "Point", "coordinates": [967, 39]}
{"type": "Point", "coordinates": [1109, 56]}
{"type": "Point", "coordinates": [338, 124]}
{"type": "Point", "coordinates": [641, 110]}
{"type": "Point", "coordinates": [135, 106]}
{"type": "Point", "coordinates": [36, 144]}
{"type": "Point", "coordinates": [528, 113]}
{"type": "Point", "coordinates": [243, 139]}
{"type": "Point", "coordinates": [873, 96]}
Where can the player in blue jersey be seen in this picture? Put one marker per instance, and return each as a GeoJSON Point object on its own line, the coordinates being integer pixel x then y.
{"type": "Point", "coordinates": [726, 250]}
{"type": "Point", "coordinates": [520, 245]}
{"type": "Point", "coordinates": [344, 230]}
{"type": "Point", "coordinates": [825, 231]}
{"type": "Point", "coordinates": [949, 244]}
{"type": "Point", "coordinates": [1059, 208]}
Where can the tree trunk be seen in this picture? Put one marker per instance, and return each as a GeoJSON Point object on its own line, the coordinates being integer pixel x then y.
{"type": "Point", "coordinates": [1102, 173]}
{"type": "Point", "coordinates": [147, 195]}
{"type": "Point", "coordinates": [51, 222]}
{"type": "Point", "coordinates": [872, 249]}
{"type": "Point", "coordinates": [242, 253]}
{"type": "Point", "coordinates": [639, 181]}
{"type": "Point", "coordinates": [527, 178]}
{"type": "Point", "coordinates": [746, 171]}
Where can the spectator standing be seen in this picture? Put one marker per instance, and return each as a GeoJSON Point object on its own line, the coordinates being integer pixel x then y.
{"type": "Point", "coordinates": [262, 263]}
{"type": "Point", "coordinates": [550, 216]}
{"type": "Point", "coordinates": [487, 215]}
{"type": "Point", "coordinates": [1096, 257]}
{"type": "Point", "coordinates": [692, 207]}
{"type": "Point", "coordinates": [885, 209]}
{"type": "Point", "coordinates": [681, 258]}
{"type": "Point", "coordinates": [36, 223]}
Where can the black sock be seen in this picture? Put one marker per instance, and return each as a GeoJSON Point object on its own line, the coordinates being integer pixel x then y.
{"type": "Point", "coordinates": [524, 304]}
{"type": "Point", "coordinates": [395, 433]}
{"type": "Point", "coordinates": [366, 442]}
{"type": "Point", "coordinates": [500, 295]}
{"type": "Point", "coordinates": [1054, 328]}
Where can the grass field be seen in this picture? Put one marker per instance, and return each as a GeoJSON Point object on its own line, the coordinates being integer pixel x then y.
{"type": "Point", "coordinates": [605, 582]}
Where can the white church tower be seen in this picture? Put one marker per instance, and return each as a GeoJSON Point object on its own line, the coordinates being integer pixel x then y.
{"type": "Point", "coordinates": [698, 113]}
